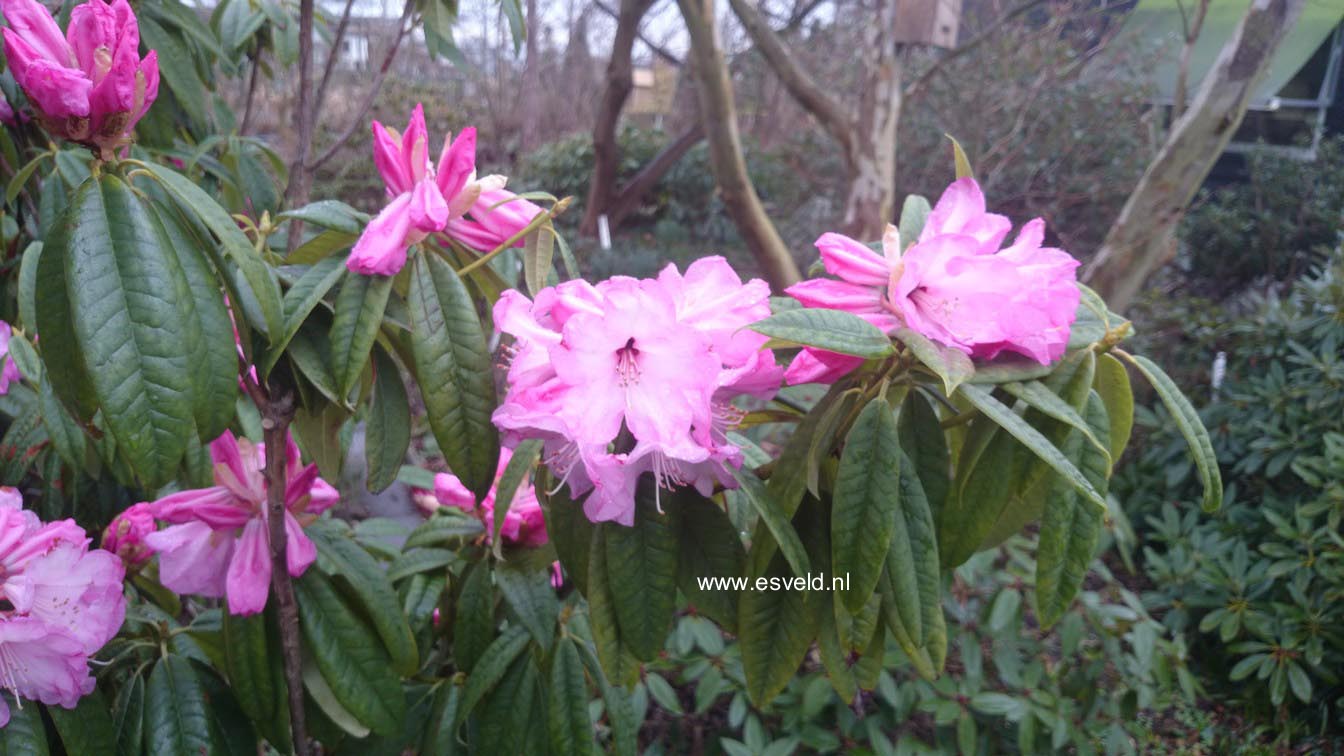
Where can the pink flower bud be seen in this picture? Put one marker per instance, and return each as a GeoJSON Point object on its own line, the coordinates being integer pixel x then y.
{"type": "Point", "coordinates": [89, 86]}
{"type": "Point", "coordinates": [125, 537]}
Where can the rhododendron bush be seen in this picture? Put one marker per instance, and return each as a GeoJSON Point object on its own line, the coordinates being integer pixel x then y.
{"type": "Point", "coordinates": [180, 384]}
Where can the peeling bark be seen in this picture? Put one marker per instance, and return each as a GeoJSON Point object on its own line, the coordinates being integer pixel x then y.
{"type": "Point", "coordinates": [1142, 238]}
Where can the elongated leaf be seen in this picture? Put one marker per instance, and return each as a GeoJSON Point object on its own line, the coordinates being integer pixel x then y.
{"type": "Point", "coordinates": [952, 365]}
{"type": "Point", "coordinates": [474, 618]}
{"type": "Point", "coordinates": [644, 586]}
{"type": "Point", "coordinates": [232, 730]}
{"type": "Point", "coordinates": [618, 663]}
{"type": "Point", "coordinates": [86, 729]}
{"type": "Point", "coordinates": [500, 730]}
{"type": "Point", "coordinates": [131, 304]}
{"type": "Point", "coordinates": [453, 365]}
{"type": "Point", "coordinates": [491, 668]}
{"type": "Point", "coordinates": [1112, 383]}
{"type": "Point", "coordinates": [567, 708]}
{"type": "Point", "coordinates": [329, 214]}
{"type": "Point", "coordinates": [530, 595]}
{"type": "Point", "coordinates": [348, 653]}
{"type": "Point", "coordinates": [387, 426]}
{"type": "Point", "coordinates": [213, 353]}
{"type": "Point", "coordinates": [177, 70]}
{"type": "Point", "coordinates": [1191, 428]}
{"type": "Point", "coordinates": [416, 561]}
{"type": "Point", "coordinates": [924, 443]}
{"type": "Point", "coordinates": [1048, 403]}
{"type": "Point", "coordinates": [569, 531]}
{"type": "Point", "coordinates": [325, 698]}
{"type": "Point", "coordinates": [176, 715]}
{"type": "Point", "coordinates": [1033, 440]}
{"type": "Point", "coordinates": [710, 548]}
{"type": "Point", "coordinates": [441, 735]}
{"type": "Point", "coordinates": [962, 163]}
{"type": "Point", "coordinates": [867, 499]}
{"type": "Point", "coordinates": [251, 663]}
{"type": "Point", "coordinates": [262, 284]}
{"type": "Point", "coordinates": [832, 330]}
{"type": "Point", "coordinates": [776, 627]}
{"type": "Point", "coordinates": [28, 284]}
{"type": "Point", "coordinates": [359, 312]}
{"type": "Point", "coordinates": [524, 456]}
{"type": "Point", "coordinates": [1070, 528]}
{"type": "Point", "coordinates": [128, 717]}
{"type": "Point", "coordinates": [911, 592]}
{"type": "Point", "coordinates": [538, 250]}
{"type": "Point", "coordinates": [373, 589]}
{"type": "Point", "coordinates": [20, 179]}
{"type": "Point", "coordinates": [914, 212]}
{"type": "Point", "coordinates": [445, 527]}
{"type": "Point", "coordinates": [776, 520]}
{"type": "Point", "coordinates": [65, 435]}
{"type": "Point", "coordinates": [299, 302]}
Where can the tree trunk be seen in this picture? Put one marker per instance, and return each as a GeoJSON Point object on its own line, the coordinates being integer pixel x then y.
{"type": "Point", "coordinates": [871, 203]}
{"type": "Point", "coordinates": [606, 152]}
{"type": "Point", "coordinates": [1143, 237]}
{"type": "Point", "coordinates": [719, 115]}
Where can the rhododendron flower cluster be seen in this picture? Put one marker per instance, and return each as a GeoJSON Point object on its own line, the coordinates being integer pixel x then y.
{"type": "Point", "coordinates": [59, 603]}
{"type": "Point", "coordinates": [218, 543]}
{"type": "Point", "coordinates": [524, 523]}
{"type": "Point", "coordinates": [955, 285]}
{"type": "Point", "coordinates": [632, 376]}
{"type": "Point", "coordinates": [9, 372]}
{"type": "Point", "coordinates": [90, 84]}
{"type": "Point", "coordinates": [428, 198]}
{"type": "Point", "coordinates": [125, 536]}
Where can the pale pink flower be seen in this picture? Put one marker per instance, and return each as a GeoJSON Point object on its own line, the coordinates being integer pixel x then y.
{"type": "Point", "coordinates": [218, 543]}
{"type": "Point", "coordinates": [90, 84]}
{"type": "Point", "coordinates": [61, 603]}
{"type": "Point", "coordinates": [647, 366]}
{"type": "Point", "coordinates": [524, 524]}
{"type": "Point", "coordinates": [9, 373]}
{"type": "Point", "coordinates": [125, 536]}
{"type": "Point", "coordinates": [955, 285]}
{"type": "Point", "coordinates": [424, 196]}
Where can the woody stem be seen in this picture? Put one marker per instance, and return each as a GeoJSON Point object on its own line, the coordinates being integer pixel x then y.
{"type": "Point", "coordinates": [277, 412]}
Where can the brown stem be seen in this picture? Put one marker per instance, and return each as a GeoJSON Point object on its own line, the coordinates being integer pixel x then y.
{"type": "Point", "coordinates": [296, 192]}
{"type": "Point", "coordinates": [251, 94]}
{"type": "Point", "coordinates": [277, 413]}
{"type": "Point", "coordinates": [333, 57]}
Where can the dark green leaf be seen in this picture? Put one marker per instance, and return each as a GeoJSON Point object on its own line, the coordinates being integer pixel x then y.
{"type": "Point", "coordinates": [300, 300]}
{"type": "Point", "coordinates": [950, 364]}
{"type": "Point", "coordinates": [348, 654]}
{"type": "Point", "coordinates": [524, 456]}
{"type": "Point", "coordinates": [474, 617]}
{"type": "Point", "coordinates": [530, 595]}
{"type": "Point", "coordinates": [1112, 383]}
{"type": "Point", "coordinates": [710, 547]}
{"type": "Point", "coordinates": [491, 668]}
{"type": "Point", "coordinates": [419, 560]}
{"type": "Point", "coordinates": [569, 530]}
{"type": "Point", "coordinates": [866, 501]}
{"type": "Point", "coordinates": [330, 214]}
{"type": "Point", "coordinates": [387, 426]}
{"type": "Point", "coordinates": [453, 364]}
{"type": "Point", "coordinates": [359, 313]}
{"type": "Point", "coordinates": [128, 717]}
{"type": "Point", "coordinates": [618, 663]}
{"type": "Point", "coordinates": [567, 708]}
{"type": "Point", "coordinates": [177, 719]}
{"type": "Point", "coordinates": [86, 729]}
{"type": "Point", "coordinates": [775, 518]}
{"type": "Point", "coordinates": [252, 663]}
{"type": "Point", "coordinates": [445, 527]}
{"type": "Point", "coordinates": [24, 735]}
{"type": "Point", "coordinates": [832, 330]}
{"type": "Point", "coordinates": [914, 212]}
{"type": "Point", "coordinates": [775, 629]}
{"type": "Point", "coordinates": [644, 588]}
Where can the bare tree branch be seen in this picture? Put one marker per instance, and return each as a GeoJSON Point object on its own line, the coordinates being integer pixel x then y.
{"type": "Point", "coordinates": [1192, 29]}
{"type": "Point", "coordinates": [657, 48]}
{"type": "Point", "coordinates": [333, 56]}
{"type": "Point", "coordinates": [830, 113]}
{"type": "Point", "coordinates": [372, 95]}
{"type": "Point", "coordinates": [919, 83]}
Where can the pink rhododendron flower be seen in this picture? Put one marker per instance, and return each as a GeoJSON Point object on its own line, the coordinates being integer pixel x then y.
{"type": "Point", "coordinates": [955, 285]}
{"type": "Point", "coordinates": [90, 84]}
{"type": "Point", "coordinates": [651, 365]}
{"type": "Point", "coordinates": [524, 523]}
{"type": "Point", "coordinates": [424, 196]}
{"type": "Point", "coordinates": [496, 216]}
{"type": "Point", "coordinates": [218, 543]}
{"type": "Point", "coordinates": [125, 536]}
{"type": "Point", "coordinates": [9, 372]}
{"type": "Point", "coordinates": [61, 603]}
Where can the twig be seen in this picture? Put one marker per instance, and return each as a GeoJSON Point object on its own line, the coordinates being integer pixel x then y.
{"type": "Point", "coordinates": [332, 57]}
{"type": "Point", "coordinates": [251, 93]}
{"type": "Point", "coordinates": [277, 413]}
{"type": "Point", "coordinates": [372, 95]}
{"type": "Point", "coordinates": [915, 87]}
{"type": "Point", "coordinates": [653, 45]}
{"type": "Point", "coordinates": [296, 191]}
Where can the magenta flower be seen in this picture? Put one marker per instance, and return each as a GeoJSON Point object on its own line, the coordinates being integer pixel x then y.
{"type": "Point", "coordinates": [218, 544]}
{"type": "Point", "coordinates": [60, 603]}
{"type": "Point", "coordinates": [9, 373]}
{"type": "Point", "coordinates": [954, 285]}
{"type": "Point", "coordinates": [424, 197]}
{"type": "Point", "coordinates": [524, 524]}
{"type": "Point", "coordinates": [90, 85]}
{"type": "Point", "coordinates": [647, 366]}
{"type": "Point", "coordinates": [496, 216]}
{"type": "Point", "coordinates": [125, 536]}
